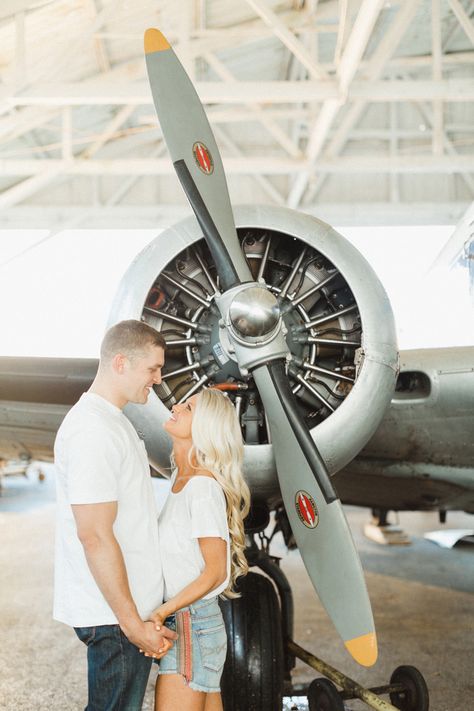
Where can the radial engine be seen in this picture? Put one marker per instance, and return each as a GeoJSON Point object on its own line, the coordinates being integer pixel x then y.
{"type": "Point", "coordinates": [339, 328]}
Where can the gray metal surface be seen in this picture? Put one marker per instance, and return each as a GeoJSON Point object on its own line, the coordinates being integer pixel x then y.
{"type": "Point", "coordinates": [28, 429]}
{"type": "Point", "coordinates": [422, 454]}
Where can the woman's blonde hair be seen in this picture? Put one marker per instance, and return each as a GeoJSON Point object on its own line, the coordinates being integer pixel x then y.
{"type": "Point", "coordinates": [218, 447]}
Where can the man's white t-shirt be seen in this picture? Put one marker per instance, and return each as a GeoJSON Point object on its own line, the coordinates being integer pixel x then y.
{"type": "Point", "coordinates": [99, 458]}
{"type": "Point", "coordinates": [197, 511]}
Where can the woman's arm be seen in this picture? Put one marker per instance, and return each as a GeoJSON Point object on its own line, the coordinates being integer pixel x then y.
{"type": "Point", "coordinates": [214, 552]}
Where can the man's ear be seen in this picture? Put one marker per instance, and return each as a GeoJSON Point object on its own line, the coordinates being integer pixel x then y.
{"type": "Point", "coordinates": [119, 363]}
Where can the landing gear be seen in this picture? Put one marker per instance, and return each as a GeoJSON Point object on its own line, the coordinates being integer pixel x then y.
{"type": "Point", "coordinates": [253, 672]}
{"type": "Point", "coordinates": [261, 651]}
{"type": "Point", "coordinates": [259, 623]}
{"type": "Point", "coordinates": [257, 670]}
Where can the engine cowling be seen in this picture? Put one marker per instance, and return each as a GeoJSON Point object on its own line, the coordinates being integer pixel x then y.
{"type": "Point", "coordinates": [339, 330]}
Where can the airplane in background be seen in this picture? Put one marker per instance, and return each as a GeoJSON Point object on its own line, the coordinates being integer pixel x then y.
{"type": "Point", "coordinates": [392, 435]}
{"type": "Point", "coordinates": [420, 456]}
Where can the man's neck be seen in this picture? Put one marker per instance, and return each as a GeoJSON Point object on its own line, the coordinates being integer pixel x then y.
{"type": "Point", "coordinates": [102, 387]}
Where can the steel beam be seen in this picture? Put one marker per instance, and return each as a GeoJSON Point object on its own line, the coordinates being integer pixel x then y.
{"type": "Point", "coordinates": [246, 165]}
{"type": "Point", "coordinates": [100, 93]}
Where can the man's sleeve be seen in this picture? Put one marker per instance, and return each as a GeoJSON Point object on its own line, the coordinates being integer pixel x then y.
{"type": "Point", "coordinates": [94, 463]}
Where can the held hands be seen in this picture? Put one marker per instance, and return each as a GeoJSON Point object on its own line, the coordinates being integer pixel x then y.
{"type": "Point", "coordinates": [157, 618]}
{"type": "Point", "coordinates": [152, 642]}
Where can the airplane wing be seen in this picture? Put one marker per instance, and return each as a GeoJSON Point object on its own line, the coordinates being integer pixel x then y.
{"type": "Point", "coordinates": [35, 395]}
{"type": "Point", "coordinates": [419, 458]}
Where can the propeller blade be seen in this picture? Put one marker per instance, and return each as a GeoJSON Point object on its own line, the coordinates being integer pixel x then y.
{"type": "Point", "coordinates": [195, 156]}
{"type": "Point", "coordinates": [316, 517]}
{"type": "Point", "coordinates": [314, 511]}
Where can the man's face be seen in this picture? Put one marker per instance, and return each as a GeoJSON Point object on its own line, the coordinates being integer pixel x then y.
{"type": "Point", "coordinates": [141, 372]}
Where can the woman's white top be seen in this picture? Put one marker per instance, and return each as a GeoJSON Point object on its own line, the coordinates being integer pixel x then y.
{"type": "Point", "coordinates": [197, 511]}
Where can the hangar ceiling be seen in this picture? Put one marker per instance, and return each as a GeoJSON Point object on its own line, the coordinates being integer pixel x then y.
{"type": "Point", "coordinates": [356, 111]}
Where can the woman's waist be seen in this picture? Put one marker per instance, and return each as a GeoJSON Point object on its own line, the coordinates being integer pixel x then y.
{"type": "Point", "coordinates": [202, 608]}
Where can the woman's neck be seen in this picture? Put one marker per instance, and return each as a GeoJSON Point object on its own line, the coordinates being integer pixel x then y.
{"type": "Point", "coordinates": [181, 449]}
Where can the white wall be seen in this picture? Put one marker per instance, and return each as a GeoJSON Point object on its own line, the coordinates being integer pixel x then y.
{"type": "Point", "coordinates": [55, 293]}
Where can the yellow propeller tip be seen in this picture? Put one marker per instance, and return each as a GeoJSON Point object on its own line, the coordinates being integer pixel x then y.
{"type": "Point", "coordinates": [363, 649]}
{"type": "Point", "coordinates": [155, 41]}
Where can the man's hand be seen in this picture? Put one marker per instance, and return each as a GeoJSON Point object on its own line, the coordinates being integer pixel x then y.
{"type": "Point", "coordinates": [149, 640]}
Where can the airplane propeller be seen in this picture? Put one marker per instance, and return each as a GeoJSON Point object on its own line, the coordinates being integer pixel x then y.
{"type": "Point", "coordinates": [253, 317]}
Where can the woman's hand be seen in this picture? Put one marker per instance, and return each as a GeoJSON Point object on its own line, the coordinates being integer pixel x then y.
{"type": "Point", "coordinates": [165, 638]}
{"type": "Point", "coordinates": [158, 616]}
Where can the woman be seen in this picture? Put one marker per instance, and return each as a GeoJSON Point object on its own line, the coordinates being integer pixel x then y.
{"type": "Point", "coordinates": [202, 547]}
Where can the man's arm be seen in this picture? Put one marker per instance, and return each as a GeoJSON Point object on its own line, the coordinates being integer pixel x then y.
{"type": "Point", "coordinates": [94, 524]}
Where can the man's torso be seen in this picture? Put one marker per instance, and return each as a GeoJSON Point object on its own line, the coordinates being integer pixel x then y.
{"type": "Point", "coordinates": [100, 458]}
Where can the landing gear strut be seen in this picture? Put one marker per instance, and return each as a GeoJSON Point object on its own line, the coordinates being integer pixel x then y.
{"type": "Point", "coordinates": [407, 688]}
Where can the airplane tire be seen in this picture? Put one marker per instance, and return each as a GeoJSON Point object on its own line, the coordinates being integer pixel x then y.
{"type": "Point", "coordinates": [415, 696]}
{"type": "Point", "coordinates": [253, 673]}
{"type": "Point", "coordinates": [324, 696]}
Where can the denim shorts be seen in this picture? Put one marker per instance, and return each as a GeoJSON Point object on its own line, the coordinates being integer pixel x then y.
{"type": "Point", "coordinates": [200, 651]}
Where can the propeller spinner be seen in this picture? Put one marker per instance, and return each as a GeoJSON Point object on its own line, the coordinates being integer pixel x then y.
{"type": "Point", "coordinates": [252, 317]}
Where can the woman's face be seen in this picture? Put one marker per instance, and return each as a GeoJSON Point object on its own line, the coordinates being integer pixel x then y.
{"type": "Point", "coordinates": [180, 423]}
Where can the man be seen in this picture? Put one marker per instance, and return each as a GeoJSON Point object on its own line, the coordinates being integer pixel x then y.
{"type": "Point", "coordinates": [108, 571]}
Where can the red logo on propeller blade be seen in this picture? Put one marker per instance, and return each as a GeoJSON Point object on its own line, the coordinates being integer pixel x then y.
{"type": "Point", "coordinates": [203, 158]}
{"type": "Point", "coordinates": [306, 509]}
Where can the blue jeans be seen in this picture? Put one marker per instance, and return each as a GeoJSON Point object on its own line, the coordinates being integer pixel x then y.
{"type": "Point", "coordinates": [117, 672]}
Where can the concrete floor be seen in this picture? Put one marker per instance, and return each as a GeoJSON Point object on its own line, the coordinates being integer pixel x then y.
{"type": "Point", "coordinates": [422, 597]}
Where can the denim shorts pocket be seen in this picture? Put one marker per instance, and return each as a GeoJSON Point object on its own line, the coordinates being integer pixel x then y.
{"type": "Point", "coordinates": [85, 634]}
{"type": "Point", "coordinates": [213, 647]}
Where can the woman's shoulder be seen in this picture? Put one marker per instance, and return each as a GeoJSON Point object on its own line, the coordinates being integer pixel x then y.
{"type": "Point", "coordinates": [203, 473]}
{"type": "Point", "coordinates": [204, 482]}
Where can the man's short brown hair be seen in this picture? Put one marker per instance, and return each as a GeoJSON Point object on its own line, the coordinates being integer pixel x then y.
{"type": "Point", "coordinates": [131, 338]}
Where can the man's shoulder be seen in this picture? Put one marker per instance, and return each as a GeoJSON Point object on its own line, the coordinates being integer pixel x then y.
{"type": "Point", "coordinates": [86, 417]}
